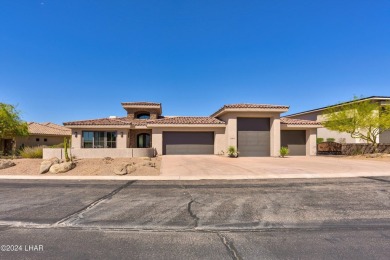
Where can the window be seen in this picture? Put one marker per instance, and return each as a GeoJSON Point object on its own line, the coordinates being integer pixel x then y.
{"type": "Point", "coordinates": [45, 140]}
{"type": "Point", "coordinates": [111, 139]}
{"type": "Point", "coordinates": [37, 139]}
{"type": "Point", "coordinates": [99, 139]}
{"type": "Point", "coordinates": [88, 139]}
{"type": "Point", "coordinates": [143, 141]}
{"type": "Point", "coordinates": [143, 116]}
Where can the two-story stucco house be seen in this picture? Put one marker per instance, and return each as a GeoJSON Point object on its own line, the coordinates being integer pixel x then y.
{"type": "Point", "coordinates": [322, 132]}
{"type": "Point", "coordinates": [254, 129]}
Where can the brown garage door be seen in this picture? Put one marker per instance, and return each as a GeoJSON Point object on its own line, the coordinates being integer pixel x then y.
{"type": "Point", "coordinates": [295, 140]}
{"type": "Point", "coordinates": [384, 138]}
{"type": "Point", "coordinates": [253, 136]}
{"type": "Point", "coordinates": [188, 142]}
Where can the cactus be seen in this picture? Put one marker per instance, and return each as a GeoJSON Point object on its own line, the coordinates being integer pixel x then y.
{"type": "Point", "coordinates": [67, 158]}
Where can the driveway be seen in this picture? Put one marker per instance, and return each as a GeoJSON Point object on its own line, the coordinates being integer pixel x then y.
{"type": "Point", "coordinates": [219, 167]}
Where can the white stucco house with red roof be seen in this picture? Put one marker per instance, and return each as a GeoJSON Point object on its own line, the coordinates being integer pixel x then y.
{"type": "Point", "coordinates": [254, 129]}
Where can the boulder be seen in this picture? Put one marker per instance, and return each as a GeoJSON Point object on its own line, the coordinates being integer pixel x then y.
{"type": "Point", "coordinates": [62, 167]}
{"type": "Point", "coordinates": [121, 169]}
{"type": "Point", "coordinates": [46, 164]}
{"type": "Point", "coordinates": [6, 164]}
{"type": "Point", "coordinates": [131, 169]}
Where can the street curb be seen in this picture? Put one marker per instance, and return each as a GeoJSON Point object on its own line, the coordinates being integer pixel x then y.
{"type": "Point", "coordinates": [194, 178]}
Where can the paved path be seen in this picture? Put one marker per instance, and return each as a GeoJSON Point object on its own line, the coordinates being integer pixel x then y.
{"type": "Point", "coordinates": [345, 218]}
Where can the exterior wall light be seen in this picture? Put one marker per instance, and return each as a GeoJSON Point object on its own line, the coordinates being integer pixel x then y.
{"type": "Point", "coordinates": [121, 134]}
{"type": "Point", "coordinates": [75, 134]}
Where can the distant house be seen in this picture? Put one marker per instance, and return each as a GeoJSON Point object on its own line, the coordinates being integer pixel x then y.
{"type": "Point", "coordinates": [322, 132]}
{"type": "Point", "coordinates": [39, 134]}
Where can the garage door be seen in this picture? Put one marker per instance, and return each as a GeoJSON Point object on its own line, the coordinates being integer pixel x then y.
{"type": "Point", "coordinates": [253, 136]}
{"type": "Point", "coordinates": [188, 142]}
{"type": "Point", "coordinates": [384, 138]}
{"type": "Point", "coordinates": [295, 140]}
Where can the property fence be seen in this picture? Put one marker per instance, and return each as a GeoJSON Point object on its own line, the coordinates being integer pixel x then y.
{"type": "Point", "coordinates": [99, 152]}
{"type": "Point", "coordinates": [351, 149]}
{"type": "Point", "coordinates": [355, 149]}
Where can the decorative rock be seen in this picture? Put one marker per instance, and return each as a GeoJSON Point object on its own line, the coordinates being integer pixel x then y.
{"type": "Point", "coordinates": [62, 167]}
{"type": "Point", "coordinates": [130, 169]}
{"type": "Point", "coordinates": [46, 164]}
{"type": "Point", "coordinates": [122, 169]}
{"type": "Point", "coordinates": [6, 164]}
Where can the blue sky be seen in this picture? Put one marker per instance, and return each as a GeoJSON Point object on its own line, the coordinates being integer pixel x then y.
{"type": "Point", "coordinates": [69, 60]}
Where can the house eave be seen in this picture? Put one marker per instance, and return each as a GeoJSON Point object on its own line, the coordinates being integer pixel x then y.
{"type": "Point", "coordinates": [257, 110]}
{"type": "Point", "coordinates": [186, 125]}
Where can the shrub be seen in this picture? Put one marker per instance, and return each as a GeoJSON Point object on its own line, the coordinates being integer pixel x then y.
{"type": "Point", "coordinates": [283, 151]}
{"type": "Point", "coordinates": [320, 140]}
{"type": "Point", "coordinates": [32, 152]}
{"type": "Point", "coordinates": [330, 139]}
{"type": "Point", "coordinates": [232, 151]}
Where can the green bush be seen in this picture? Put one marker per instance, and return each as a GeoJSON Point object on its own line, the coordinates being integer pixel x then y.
{"type": "Point", "coordinates": [330, 139]}
{"type": "Point", "coordinates": [32, 152]}
{"type": "Point", "coordinates": [320, 140]}
{"type": "Point", "coordinates": [283, 151]}
{"type": "Point", "coordinates": [232, 151]}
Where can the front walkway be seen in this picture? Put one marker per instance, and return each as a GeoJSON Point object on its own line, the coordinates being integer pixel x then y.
{"type": "Point", "coordinates": [219, 167]}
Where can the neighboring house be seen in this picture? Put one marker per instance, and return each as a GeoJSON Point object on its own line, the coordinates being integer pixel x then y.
{"type": "Point", "coordinates": [255, 129]}
{"type": "Point", "coordinates": [317, 115]}
{"type": "Point", "coordinates": [46, 134]}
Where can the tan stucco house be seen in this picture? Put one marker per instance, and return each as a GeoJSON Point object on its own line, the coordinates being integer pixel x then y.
{"type": "Point", "coordinates": [254, 129]}
{"type": "Point", "coordinates": [39, 134]}
{"type": "Point", "coordinates": [322, 132]}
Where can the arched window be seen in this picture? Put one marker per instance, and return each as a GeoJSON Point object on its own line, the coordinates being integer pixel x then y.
{"type": "Point", "coordinates": [143, 141]}
{"type": "Point", "coordinates": [143, 115]}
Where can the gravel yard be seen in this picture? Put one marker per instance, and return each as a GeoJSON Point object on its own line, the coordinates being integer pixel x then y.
{"type": "Point", "coordinates": [89, 167]}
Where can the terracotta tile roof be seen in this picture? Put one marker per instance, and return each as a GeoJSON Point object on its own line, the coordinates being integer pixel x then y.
{"type": "Point", "coordinates": [246, 106]}
{"type": "Point", "coordinates": [100, 121]}
{"type": "Point", "coordinates": [290, 121]}
{"type": "Point", "coordinates": [187, 120]}
{"type": "Point", "coordinates": [48, 129]}
{"type": "Point", "coordinates": [140, 104]}
{"type": "Point", "coordinates": [193, 120]}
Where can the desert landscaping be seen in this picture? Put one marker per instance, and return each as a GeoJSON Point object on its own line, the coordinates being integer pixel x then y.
{"type": "Point", "coordinates": [142, 166]}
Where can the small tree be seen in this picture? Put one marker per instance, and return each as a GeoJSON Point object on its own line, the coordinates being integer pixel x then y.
{"type": "Point", "coordinates": [11, 125]}
{"type": "Point", "coordinates": [361, 119]}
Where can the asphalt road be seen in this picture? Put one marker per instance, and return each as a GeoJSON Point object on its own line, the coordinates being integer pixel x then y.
{"type": "Point", "coordinates": [346, 218]}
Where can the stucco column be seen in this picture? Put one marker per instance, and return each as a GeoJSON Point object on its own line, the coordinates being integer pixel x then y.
{"type": "Point", "coordinates": [157, 140]}
{"type": "Point", "coordinates": [76, 138]}
{"type": "Point", "coordinates": [121, 138]}
{"type": "Point", "coordinates": [275, 135]}
{"type": "Point", "coordinates": [311, 142]}
{"type": "Point", "coordinates": [232, 132]}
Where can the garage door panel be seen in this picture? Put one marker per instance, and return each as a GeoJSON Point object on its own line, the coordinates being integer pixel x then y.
{"type": "Point", "coordinates": [254, 143]}
{"type": "Point", "coordinates": [188, 142]}
{"type": "Point", "coordinates": [297, 149]}
{"type": "Point", "coordinates": [294, 140]}
{"type": "Point", "coordinates": [384, 137]}
{"type": "Point", "coordinates": [189, 149]}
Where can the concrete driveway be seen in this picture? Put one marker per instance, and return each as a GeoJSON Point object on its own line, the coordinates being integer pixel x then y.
{"type": "Point", "coordinates": [219, 167]}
